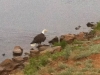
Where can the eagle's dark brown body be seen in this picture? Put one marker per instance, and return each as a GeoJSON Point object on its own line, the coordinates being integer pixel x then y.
{"type": "Point", "coordinates": [39, 38]}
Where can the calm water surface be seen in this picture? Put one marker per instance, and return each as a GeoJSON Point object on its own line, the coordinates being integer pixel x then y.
{"type": "Point", "coordinates": [21, 20]}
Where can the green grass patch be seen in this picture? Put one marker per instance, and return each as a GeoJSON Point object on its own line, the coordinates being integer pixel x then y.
{"type": "Point", "coordinates": [93, 49]}
{"type": "Point", "coordinates": [62, 44]}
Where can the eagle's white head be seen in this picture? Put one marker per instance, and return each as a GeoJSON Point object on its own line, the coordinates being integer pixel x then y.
{"type": "Point", "coordinates": [44, 31]}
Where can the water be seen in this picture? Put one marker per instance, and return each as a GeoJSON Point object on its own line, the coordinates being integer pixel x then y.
{"type": "Point", "coordinates": [21, 20]}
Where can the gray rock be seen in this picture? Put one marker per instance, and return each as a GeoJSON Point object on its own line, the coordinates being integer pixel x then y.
{"type": "Point", "coordinates": [51, 50]}
{"type": "Point", "coordinates": [18, 51]}
{"type": "Point", "coordinates": [18, 59]}
{"type": "Point", "coordinates": [2, 69]}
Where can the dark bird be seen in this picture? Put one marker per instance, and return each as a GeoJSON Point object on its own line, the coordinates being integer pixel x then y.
{"type": "Point", "coordinates": [3, 54]}
{"type": "Point", "coordinates": [54, 40]}
{"type": "Point", "coordinates": [77, 28]}
{"type": "Point", "coordinates": [38, 39]}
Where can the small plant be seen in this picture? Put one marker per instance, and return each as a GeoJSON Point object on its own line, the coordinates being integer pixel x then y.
{"type": "Point", "coordinates": [79, 73]}
{"type": "Point", "coordinates": [82, 54]}
{"type": "Point", "coordinates": [62, 66]}
{"type": "Point", "coordinates": [66, 73]}
{"type": "Point", "coordinates": [77, 42]}
{"type": "Point", "coordinates": [84, 69]}
{"type": "Point", "coordinates": [62, 44]}
{"type": "Point", "coordinates": [89, 61]}
{"type": "Point", "coordinates": [98, 26]}
{"type": "Point", "coordinates": [43, 60]}
{"type": "Point", "coordinates": [67, 51]}
{"type": "Point", "coordinates": [78, 63]}
{"type": "Point", "coordinates": [89, 65]}
{"type": "Point", "coordinates": [98, 71]}
{"type": "Point", "coordinates": [51, 70]}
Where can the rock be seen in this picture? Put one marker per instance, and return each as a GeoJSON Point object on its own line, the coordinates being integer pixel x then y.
{"type": "Point", "coordinates": [2, 69]}
{"type": "Point", "coordinates": [4, 73]}
{"type": "Point", "coordinates": [27, 54]}
{"type": "Point", "coordinates": [25, 59]}
{"type": "Point", "coordinates": [57, 49]}
{"type": "Point", "coordinates": [8, 65]}
{"type": "Point", "coordinates": [34, 53]}
{"type": "Point", "coordinates": [91, 24]}
{"type": "Point", "coordinates": [18, 59]}
{"type": "Point", "coordinates": [54, 40]}
{"type": "Point", "coordinates": [80, 36]}
{"type": "Point", "coordinates": [43, 47]}
{"type": "Point", "coordinates": [11, 67]}
{"type": "Point", "coordinates": [17, 51]}
{"type": "Point", "coordinates": [69, 38]}
{"type": "Point", "coordinates": [6, 62]}
{"type": "Point", "coordinates": [77, 28]}
{"type": "Point", "coordinates": [89, 35]}
{"type": "Point", "coordinates": [52, 50]}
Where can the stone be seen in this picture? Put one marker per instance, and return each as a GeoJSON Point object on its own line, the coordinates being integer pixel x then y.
{"type": "Point", "coordinates": [54, 40]}
{"type": "Point", "coordinates": [52, 50]}
{"type": "Point", "coordinates": [11, 67]}
{"type": "Point", "coordinates": [43, 47]}
{"type": "Point", "coordinates": [8, 65]}
{"type": "Point", "coordinates": [2, 69]}
{"type": "Point", "coordinates": [25, 59]}
{"type": "Point", "coordinates": [18, 59]}
{"type": "Point", "coordinates": [34, 53]}
{"type": "Point", "coordinates": [69, 38]}
{"type": "Point", "coordinates": [92, 25]}
{"type": "Point", "coordinates": [6, 62]}
{"type": "Point", "coordinates": [57, 49]}
{"type": "Point", "coordinates": [27, 54]}
{"type": "Point", "coordinates": [18, 51]}
{"type": "Point", "coordinates": [80, 36]}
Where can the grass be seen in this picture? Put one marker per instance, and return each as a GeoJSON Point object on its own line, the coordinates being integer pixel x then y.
{"type": "Point", "coordinates": [40, 61]}
{"type": "Point", "coordinates": [92, 49]}
{"type": "Point", "coordinates": [51, 70]}
{"type": "Point", "coordinates": [98, 26]}
{"type": "Point", "coordinates": [36, 63]}
{"type": "Point", "coordinates": [62, 44]}
{"type": "Point", "coordinates": [62, 65]}
{"type": "Point", "coordinates": [74, 51]}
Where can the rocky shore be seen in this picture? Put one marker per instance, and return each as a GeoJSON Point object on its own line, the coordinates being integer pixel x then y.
{"type": "Point", "coordinates": [18, 62]}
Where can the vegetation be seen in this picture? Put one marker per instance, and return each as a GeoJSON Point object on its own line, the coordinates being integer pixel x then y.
{"type": "Point", "coordinates": [62, 44]}
{"type": "Point", "coordinates": [70, 51]}
{"type": "Point", "coordinates": [98, 26]}
{"type": "Point", "coordinates": [74, 51]}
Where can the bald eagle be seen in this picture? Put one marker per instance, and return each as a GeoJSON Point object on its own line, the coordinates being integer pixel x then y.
{"type": "Point", "coordinates": [38, 39]}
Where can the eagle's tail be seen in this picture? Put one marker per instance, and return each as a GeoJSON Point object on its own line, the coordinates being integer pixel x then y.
{"type": "Point", "coordinates": [33, 45]}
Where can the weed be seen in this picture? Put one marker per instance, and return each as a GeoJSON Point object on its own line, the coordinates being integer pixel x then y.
{"type": "Point", "coordinates": [78, 63]}
{"type": "Point", "coordinates": [89, 61]}
{"type": "Point", "coordinates": [66, 73]}
{"type": "Point", "coordinates": [51, 70]}
{"type": "Point", "coordinates": [98, 71]}
{"type": "Point", "coordinates": [43, 60]}
{"type": "Point", "coordinates": [98, 26]}
{"type": "Point", "coordinates": [84, 69]}
{"type": "Point", "coordinates": [77, 42]}
{"type": "Point", "coordinates": [62, 44]}
{"type": "Point", "coordinates": [62, 66]}
{"type": "Point", "coordinates": [88, 65]}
